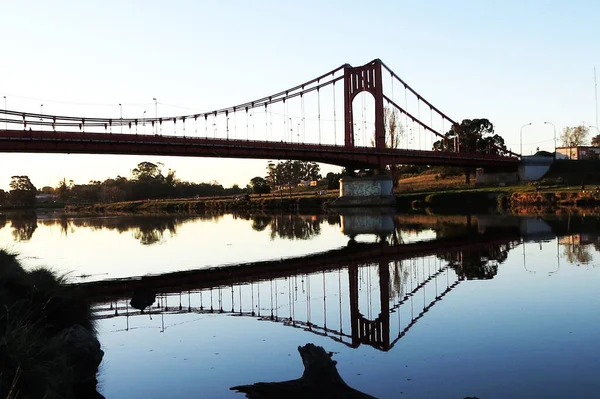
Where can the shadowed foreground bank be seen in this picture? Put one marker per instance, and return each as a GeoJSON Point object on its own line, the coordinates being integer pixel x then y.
{"type": "Point", "coordinates": [48, 347]}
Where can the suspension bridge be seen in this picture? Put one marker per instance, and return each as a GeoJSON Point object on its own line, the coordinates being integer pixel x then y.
{"type": "Point", "coordinates": [372, 294]}
{"type": "Point", "coordinates": [328, 119]}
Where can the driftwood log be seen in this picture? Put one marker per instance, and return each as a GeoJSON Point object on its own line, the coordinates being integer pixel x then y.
{"type": "Point", "coordinates": [319, 380]}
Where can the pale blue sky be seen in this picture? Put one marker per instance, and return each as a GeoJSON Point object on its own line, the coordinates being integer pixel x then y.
{"type": "Point", "coordinates": [512, 62]}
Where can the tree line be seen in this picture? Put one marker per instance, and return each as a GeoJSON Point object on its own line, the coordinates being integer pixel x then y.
{"type": "Point", "coordinates": [147, 181]}
{"type": "Point", "coordinates": [150, 181]}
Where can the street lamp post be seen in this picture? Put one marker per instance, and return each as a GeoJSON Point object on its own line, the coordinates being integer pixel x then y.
{"type": "Point", "coordinates": [41, 118]}
{"type": "Point", "coordinates": [521, 137]}
{"type": "Point", "coordinates": [121, 116]}
{"type": "Point", "coordinates": [5, 116]}
{"type": "Point", "coordinates": [144, 121]}
{"type": "Point", "coordinates": [155, 115]}
{"type": "Point", "coordinates": [554, 128]}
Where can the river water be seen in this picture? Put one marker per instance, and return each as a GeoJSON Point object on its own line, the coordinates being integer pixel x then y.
{"type": "Point", "coordinates": [410, 305]}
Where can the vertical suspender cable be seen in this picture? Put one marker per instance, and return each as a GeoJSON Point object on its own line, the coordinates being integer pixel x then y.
{"type": "Point", "coordinates": [266, 124]}
{"type": "Point", "coordinates": [284, 133]}
{"type": "Point", "coordinates": [405, 115]}
{"type": "Point", "coordinates": [319, 110]}
{"type": "Point", "coordinates": [303, 117]}
{"type": "Point", "coordinates": [340, 297]}
{"type": "Point", "coordinates": [247, 124]}
{"type": "Point", "coordinates": [324, 304]}
{"type": "Point", "coordinates": [419, 116]}
{"type": "Point", "coordinates": [334, 118]}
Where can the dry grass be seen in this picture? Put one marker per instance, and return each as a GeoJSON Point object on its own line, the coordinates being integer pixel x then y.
{"type": "Point", "coordinates": [432, 182]}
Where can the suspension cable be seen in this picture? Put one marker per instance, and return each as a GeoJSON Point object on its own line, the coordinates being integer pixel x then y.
{"type": "Point", "coordinates": [319, 112]}
{"type": "Point", "coordinates": [334, 118]}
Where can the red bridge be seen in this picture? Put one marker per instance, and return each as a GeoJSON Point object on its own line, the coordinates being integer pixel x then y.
{"type": "Point", "coordinates": [300, 123]}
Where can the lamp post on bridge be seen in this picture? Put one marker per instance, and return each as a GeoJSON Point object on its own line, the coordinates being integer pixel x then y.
{"type": "Point", "coordinates": [521, 138]}
{"type": "Point", "coordinates": [298, 133]}
{"type": "Point", "coordinates": [144, 121]}
{"type": "Point", "coordinates": [41, 118]}
{"type": "Point", "coordinates": [554, 128]}
{"type": "Point", "coordinates": [121, 116]}
{"type": "Point", "coordinates": [5, 116]}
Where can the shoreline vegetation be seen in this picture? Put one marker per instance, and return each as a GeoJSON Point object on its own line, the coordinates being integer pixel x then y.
{"type": "Point", "coordinates": [49, 347]}
{"type": "Point", "coordinates": [520, 199]}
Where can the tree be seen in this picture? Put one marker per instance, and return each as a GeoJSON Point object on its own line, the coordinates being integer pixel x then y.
{"type": "Point", "coordinates": [596, 141]}
{"type": "Point", "coordinates": [260, 185]}
{"type": "Point", "coordinates": [63, 189]}
{"type": "Point", "coordinates": [22, 191]}
{"type": "Point", "coordinates": [574, 136]}
{"type": "Point", "coordinates": [393, 130]}
{"type": "Point", "coordinates": [291, 172]}
{"type": "Point", "coordinates": [21, 183]}
{"type": "Point", "coordinates": [471, 135]}
{"type": "Point", "coordinates": [147, 172]}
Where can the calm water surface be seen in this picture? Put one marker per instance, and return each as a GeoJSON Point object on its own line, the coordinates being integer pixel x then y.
{"type": "Point", "coordinates": [414, 306]}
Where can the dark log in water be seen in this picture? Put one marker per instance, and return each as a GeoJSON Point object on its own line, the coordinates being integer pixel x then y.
{"type": "Point", "coordinates": [319, 380]}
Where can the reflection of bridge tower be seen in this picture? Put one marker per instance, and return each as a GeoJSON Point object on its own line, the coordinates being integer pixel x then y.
{"type": "Point", "coordinates": [375, 332]}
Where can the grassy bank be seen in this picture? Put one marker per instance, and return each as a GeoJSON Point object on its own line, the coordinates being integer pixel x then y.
{"type": "Point", "coordinates": [36, 357]}
{"type": "Point", "coordinates": [514, 199]}
{"type": "Point", "coordinates": [205, 205]}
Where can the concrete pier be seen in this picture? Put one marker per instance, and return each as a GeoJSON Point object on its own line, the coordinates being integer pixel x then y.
{"type": "Point", "coordinates": [366, 191]}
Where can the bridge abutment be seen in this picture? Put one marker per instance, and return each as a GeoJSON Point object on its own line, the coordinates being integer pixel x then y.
{"type": "Point", "coordinates": [366, 191]}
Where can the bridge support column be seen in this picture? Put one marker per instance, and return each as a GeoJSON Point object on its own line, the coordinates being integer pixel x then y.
{"type": "Point", "coordinates": [356, 80]}
{"type": "Point", "coordinates": [366, 191]}
{"type": "Point", "coordinates": [370, 332]}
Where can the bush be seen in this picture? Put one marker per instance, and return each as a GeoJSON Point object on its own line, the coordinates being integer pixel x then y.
{"type": "Point", "coordinates": [38, 305]}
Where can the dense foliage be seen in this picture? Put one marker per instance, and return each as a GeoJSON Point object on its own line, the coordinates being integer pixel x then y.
{"type": "Point", "coordinates": [147, 181]}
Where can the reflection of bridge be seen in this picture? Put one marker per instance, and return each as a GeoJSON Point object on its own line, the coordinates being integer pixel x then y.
{"type": "Point", "coordinates": [353, 292]}
{"type": "Point", "coordinates": [276, 122]}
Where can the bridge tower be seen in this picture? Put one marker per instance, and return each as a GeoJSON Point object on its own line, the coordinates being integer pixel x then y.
{"type": "Point", "coordinates": [356, 80]}
{"type": "Point", "coordinates": [376, 332]}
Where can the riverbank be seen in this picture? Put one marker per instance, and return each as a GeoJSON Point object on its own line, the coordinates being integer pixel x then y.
{"type": "Point", "coordinates": [516, 199]}
{"type": "Point", "coordinates": [206, 205]}
{"type": "Point", "coordinates": [49, 347]}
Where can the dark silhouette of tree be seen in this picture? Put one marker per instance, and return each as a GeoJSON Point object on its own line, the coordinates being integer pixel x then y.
{"type": "Point", "coordinates": [260, 185]}
{"type": "Point", "coordinates": [291, 172]}
{"type": "Point", "coordinates": [23, 225]}
{"type": "Point", "coordinates": [476, 265]}
{"type": "Point", "coordinates": [22, 191]}
{"type": "Point", "coordinates": [596, 141]}
{"type": "Point", "coordinates": [294, 227]}
{"type": "Point", "coordinates": [261, 222]}
{"type": "Point", "coordinates": [471, 135]}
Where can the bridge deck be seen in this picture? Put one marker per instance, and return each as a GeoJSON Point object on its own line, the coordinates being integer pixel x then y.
{"type": "Point", "coordinates": [133, 144]}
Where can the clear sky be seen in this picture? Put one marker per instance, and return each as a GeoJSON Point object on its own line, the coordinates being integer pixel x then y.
{"type": "Point", "coordinates": [512, 62]}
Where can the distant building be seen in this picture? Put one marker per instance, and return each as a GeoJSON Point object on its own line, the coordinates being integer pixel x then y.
{"type": "Point", "coordinates": [579, 152]}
